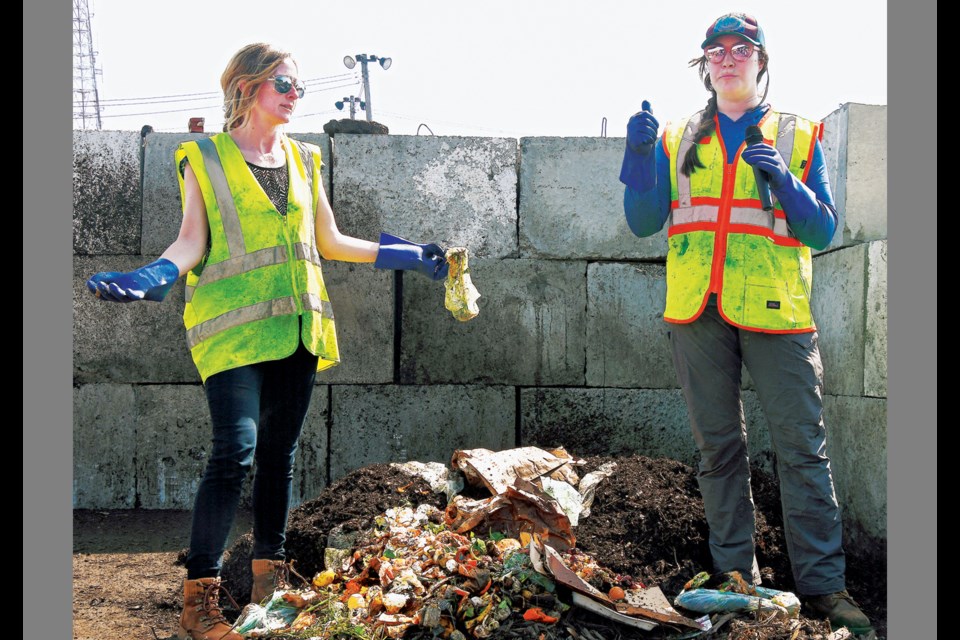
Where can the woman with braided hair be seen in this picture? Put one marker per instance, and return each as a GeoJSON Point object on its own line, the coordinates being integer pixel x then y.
{"type": "Point", "coordinates": [745, 195]}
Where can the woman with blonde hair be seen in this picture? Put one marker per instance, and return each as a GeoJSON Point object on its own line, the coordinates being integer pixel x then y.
{"type": "Point", "coordinates": [256, 225]}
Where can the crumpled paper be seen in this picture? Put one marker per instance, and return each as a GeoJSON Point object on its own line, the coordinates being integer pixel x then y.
{"type": "Point", "coordinates": [461, 296]}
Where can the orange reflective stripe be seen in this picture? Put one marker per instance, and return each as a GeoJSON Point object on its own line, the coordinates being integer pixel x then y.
{"type": "Point", "coordinates": [766, 232]}
{"type": "Point", "coordinates": [688, 228]}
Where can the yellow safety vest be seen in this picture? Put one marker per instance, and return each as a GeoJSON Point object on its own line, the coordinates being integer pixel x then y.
{"type": "Point", "coordinates": [720, 240]}
{"type": "Point", "coordinates": [262, 272]}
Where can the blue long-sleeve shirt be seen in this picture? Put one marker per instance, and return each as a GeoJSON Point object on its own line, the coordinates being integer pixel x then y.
{"type": "Point", "coordinates": [808, 205]}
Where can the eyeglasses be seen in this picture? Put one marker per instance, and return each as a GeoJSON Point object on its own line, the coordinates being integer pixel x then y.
{"type": "Point", "coordinates": [740, 52]}
{"type": "Point", "coordinates": [283, 84]}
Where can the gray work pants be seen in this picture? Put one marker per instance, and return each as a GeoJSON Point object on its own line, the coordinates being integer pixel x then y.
{"type": "Point", "coordinates": [786, 369]}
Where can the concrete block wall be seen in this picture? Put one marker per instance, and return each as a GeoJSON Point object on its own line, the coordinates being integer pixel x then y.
{"type": "Point", "coordinates": [569, 347]}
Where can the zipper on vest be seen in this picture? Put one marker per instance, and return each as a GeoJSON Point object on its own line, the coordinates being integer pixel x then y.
{"type": "Point", "coordinates": [723, 224]}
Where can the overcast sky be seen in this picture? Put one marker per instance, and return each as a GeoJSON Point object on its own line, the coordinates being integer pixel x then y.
{"type": "Point", "coordinates": [507, 68]}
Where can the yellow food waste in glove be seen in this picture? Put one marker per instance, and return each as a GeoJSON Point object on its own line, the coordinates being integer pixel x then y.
{"type": "Point", "coordinates": [461, 297]}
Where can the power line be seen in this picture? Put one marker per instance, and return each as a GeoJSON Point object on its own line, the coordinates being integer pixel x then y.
{"type": "Point", "coordinates": [211, 94]}
{"type": "Point", "coordinates": [196, 108]}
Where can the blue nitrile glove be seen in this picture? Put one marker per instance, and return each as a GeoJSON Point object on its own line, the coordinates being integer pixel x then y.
{"type": "Point", "coordinates": [768, 159]}
{"type": "Point", "coordinates": [397, 253]}
{"type": "Point", "coordinates": [151, 282]}
{"type": "Point", "coordinates": [639, 169]}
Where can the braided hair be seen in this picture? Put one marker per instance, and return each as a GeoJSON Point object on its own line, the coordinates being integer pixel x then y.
{"type": "Point", "coordinates": [691, 161]}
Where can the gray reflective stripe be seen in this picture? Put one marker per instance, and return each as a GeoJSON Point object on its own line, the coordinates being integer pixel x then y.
{"type": "Point", "coordinates": [241, 316]}
{"type": "Point", "coordinates": [683, 182]}
{"type": "Point", "coordinates": [242, 264]}
{"type": "Point", "coordinates": [700, 213]}
{"type": "Point", "coordinates": [188, 295]}
{"type": "Point", "coordinates": [760, 218]}
{"type": "Point", "coordinates": [756, 217]}
{"type": "Point", "coordinates": [738, 215]}
{"type": "Point", "coordinates": [786, 133]}
{"type": "Point", "coordinates": [221, 190]}
{"type": "Point", "coordinates": [261, 258]}
{"type": "Point", "coordinates": [307, 252]}
{"type": "Point", "coordinates": [313, 302]}
{"type": "Point", "coordinates": [781, 228]}
{"type": "Point", "coordinates": [307, 157]}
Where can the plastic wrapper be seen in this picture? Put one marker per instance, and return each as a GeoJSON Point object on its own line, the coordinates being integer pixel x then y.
{"type": "Point", "coordinates": [713, 601]}
{"type": "Point", "coordinates": [461, 296]}
{"type": "Point", "coordinates": [260, 621]}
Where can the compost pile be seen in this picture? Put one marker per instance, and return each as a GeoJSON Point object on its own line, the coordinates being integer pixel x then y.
{"type": "Point", "coordinates": [396, 567]}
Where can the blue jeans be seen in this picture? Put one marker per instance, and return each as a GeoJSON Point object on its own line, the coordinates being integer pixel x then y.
{"type": "Point", "coordinates": [257, 412]}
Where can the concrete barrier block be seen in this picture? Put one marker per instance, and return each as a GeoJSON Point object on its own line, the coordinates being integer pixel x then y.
{"type": "Point", "coordinates": [857, 446]}
{"type": "Point", "coordinates": [571, 202]}
{"type": "Point", "coordinates": [838, 302]}
{"type": "Point", "coordinates": [649, 422]}
{"type": "Point", "coordinates": [162, 210]}
{"type": "Point", "coordinates": [373, 424]}
{"type": "Point", "coordinates": [627, 344]}
{"type": "Point", "coordinates": [104, 476]}
{"type": "Point", "coordinates": [310, 469]}
{"type": "Point", "coordinates": [173, 436]}
{"type": "Point", "coordinates": [106, 192]}
{"type": "Point", "coordinates": [855, 148]}
{"type": "Point", "coordinates": [875, 336]}
{"type": "Point", "coordinates": [363, 303]}
{"type": "Point", "coordinates": [449, 190]}
{"type": "Point", "coordinates": [135, 342]}
{"type": "Point", "coordinates": [530, 331]}
{"type": "Point", "coordinates": [174, 441]}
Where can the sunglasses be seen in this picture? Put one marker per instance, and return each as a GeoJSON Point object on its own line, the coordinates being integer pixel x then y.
{"type": "Point", "coordinates": [740, 52]}
{"type": "Point", "coordinates": [283, 84]}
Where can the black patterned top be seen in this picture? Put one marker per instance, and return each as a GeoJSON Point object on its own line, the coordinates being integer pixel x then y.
{"type": "Point", "coordinates": [274, 181]}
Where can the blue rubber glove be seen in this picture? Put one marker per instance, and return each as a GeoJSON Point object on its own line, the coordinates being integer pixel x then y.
{"type": "Point", "coordinates": [768, 159]}
{"type": "Point", "coordinates": [151, 282]}
{"type": "Point", "coordinates": [397, 253]}
{"type": "Point", "coordinates": [639, 170]}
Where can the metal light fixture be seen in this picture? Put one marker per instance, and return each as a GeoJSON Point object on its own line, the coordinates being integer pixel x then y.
{"type": "Point", "coordinates": [350, 62]}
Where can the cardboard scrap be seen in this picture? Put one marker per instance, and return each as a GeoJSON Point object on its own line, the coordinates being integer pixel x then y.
{"type": "Point", "coordinates": [498, 470]}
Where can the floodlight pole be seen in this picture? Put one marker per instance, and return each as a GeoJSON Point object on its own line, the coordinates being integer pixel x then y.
{"type": "Point", "coordinates": [363, 59]}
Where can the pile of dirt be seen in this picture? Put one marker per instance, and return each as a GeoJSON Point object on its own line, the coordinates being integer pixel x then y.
{"type": "Point", "coordinates": [647, 521]}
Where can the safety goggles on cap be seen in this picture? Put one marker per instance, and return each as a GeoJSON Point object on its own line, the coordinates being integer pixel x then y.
{"type": "Point", "coordinates": [283, 84]}
{"type": "Point", "coordinates": [735, 24]}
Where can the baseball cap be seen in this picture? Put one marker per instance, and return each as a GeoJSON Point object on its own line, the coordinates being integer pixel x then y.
{"type": "Point", "coordinates": [735, 24]}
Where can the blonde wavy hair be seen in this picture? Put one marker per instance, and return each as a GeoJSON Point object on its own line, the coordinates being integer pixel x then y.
{"type": "Point", "coordinates": [249, 67]}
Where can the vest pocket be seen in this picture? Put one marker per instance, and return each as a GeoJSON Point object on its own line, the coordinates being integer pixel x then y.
{"type": "Point", "coordinates": [767, 303]}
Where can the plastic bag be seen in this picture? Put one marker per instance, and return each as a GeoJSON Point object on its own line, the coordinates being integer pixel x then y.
{"type": "Point", "coordinates": [461, 296]}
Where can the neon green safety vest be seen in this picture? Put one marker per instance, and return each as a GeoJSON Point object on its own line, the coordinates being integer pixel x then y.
{"type": "Point", "coordinates": [720, 240]}
{"type": "Point", "coordinates": [262, 271]}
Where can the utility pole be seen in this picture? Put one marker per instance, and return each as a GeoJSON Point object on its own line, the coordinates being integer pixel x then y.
{"type": "Point", "coordinates": [86, 100]}
{"type": "Point", "coordinates": [353, 105]}
{"type": "Point", "coordinates": [349, 62]}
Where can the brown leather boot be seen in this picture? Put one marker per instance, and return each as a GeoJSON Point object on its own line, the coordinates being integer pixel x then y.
{"type": "Point", "coordinates": [268, 576]}
{"type": "Point", "coordinates": [202, 618]}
